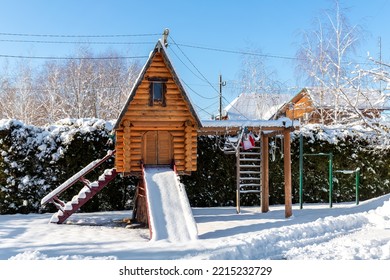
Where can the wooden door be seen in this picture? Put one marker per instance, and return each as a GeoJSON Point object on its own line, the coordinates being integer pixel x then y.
{"type": "Point", "coordinates": [157, 148]}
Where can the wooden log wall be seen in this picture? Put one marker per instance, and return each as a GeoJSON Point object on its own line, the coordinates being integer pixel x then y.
{"type": "Point", "coordinates": [175, 118]}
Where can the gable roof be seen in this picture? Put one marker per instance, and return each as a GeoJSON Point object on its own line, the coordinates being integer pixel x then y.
{"type": "Point", "coordinates": [254, 106]}
{"type": "Point", "coordinates": [160, 47]}
{"type": "Point", "coordinates": [362, 99]}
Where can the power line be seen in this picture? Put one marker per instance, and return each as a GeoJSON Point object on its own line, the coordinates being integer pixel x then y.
{"type": "Point", "coordinates": [74, 42]}
{"type": "Point", "coordinates": [239, 52]}
{"type": "Point", "coordinates": [194, 65]}
{"type": "Point", "coordinates": [78, 36]}
{"type": "Point", "coordinates": [72, 58]}
{"type": "Point", "coordinates": [257, 54]}
{"type": "Point", "coordinates": [235, 108]}
{"type": "Point", "coordinates": [203, 110]}
{"type": "Point", "coordinates": [198, 94]}
{"type": "Point", "coordinates": [185, 65]}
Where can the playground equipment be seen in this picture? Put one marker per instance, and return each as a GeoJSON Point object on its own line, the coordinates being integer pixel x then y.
{"type": "Point", "coordinates": [247, 149]}
{"type": "Point", "coordinates": [357, 181]}
{"type": "Point", "coordinates": [89, 190]}
{"type": "Point", "coordinates": [158, 127]}
{"type": "Point", "coordinates": [330, 174]}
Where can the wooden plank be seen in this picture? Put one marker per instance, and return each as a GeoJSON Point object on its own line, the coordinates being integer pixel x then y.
{"type": "Point", "coordinates": [203, 131]}
{"type": "Point", "coordinates": [179, 138]}
{"type": "Point", "coordinates": [159, 120]}
{"type": "Point", "coordinates": [164, 147]}
{"type": "Point", "coordinates": [178, 146]}
{"type": "Point", "coordinates": [180, 107]}
{"type": "Point", "coordinates": [158, 74]}
{"type": "Point", "coordinates": [138, 103]}
{"type": "Point", "coordinates": [150, 148]}
{"type": "Point", "coordinates": [157, 125]}
{"type": "Point", "coordinates": [167, 114]}
{"type": "Point", "coordinates": [180, 157]}
{"type": "Point", "coordinates": [177, 134]}
{"type": "Point", "coordinates": [157, 67]}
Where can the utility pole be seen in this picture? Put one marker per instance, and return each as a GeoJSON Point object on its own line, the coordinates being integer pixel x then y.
{"type": "Point", "coordinates": [221, 84]}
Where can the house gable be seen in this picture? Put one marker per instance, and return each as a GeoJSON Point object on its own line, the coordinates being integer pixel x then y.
{"type": "Point", "coordinates": [169, 111]}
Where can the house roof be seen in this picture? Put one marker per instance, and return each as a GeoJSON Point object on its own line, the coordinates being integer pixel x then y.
{"type": "Point", "coordinates": [254, 106]}
{"type": "Point", "coordinates": [160, 47]}
{"type": "Point", "coordinates": [362, 99]}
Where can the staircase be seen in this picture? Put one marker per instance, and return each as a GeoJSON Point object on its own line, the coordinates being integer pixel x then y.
{"type": "Point", "coordinates": [85, 194]}
{"type": "Point", "coordinates": [66, 209]}
{"type": "Point", "coordinates": [248, 167]}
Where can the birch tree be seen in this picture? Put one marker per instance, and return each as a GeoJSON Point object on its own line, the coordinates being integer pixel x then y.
{"type": "Point", "coordinates": [325, 58]}
{"type": "Point", "coordinates": [85, 86]}
{"type": "Point", "coordinates": [255, 77]}
{"type": "Point", "coordinates": [18, 95]}
{"type": "Point", "coordinates": [51, 93]}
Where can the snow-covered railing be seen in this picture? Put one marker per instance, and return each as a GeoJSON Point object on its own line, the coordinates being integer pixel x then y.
{"type": "Point", "coordinates": [79, 176]}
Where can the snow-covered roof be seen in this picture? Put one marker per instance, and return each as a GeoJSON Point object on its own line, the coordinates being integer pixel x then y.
{"type": "Point", "coordinates": [348, 97]}
{"type": "Point", "coordinates": [254, 106]}
{"type": "Point", "coordinates": [280, 123]}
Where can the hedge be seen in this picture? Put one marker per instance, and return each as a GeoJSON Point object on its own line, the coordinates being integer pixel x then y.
{"type": "Point", "coordinates": [35, 160]}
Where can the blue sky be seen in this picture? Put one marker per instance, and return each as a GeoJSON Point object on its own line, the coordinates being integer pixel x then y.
{"type": "Point", "coordinates": [271, 26]}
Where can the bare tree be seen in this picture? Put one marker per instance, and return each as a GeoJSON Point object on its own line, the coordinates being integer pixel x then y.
{"type": "Point", "coordinates": [19, 98]}
{"type": "Point", "coordinates": [114, 79]}
{"type": "Point", "coordinates": [325, 58]}
{"type": "Point", "coordinates": [51, 93]}
{"type": "Point", "coordinates": [89, 86]}
{"type": "Point", "coordinates": [255, 77]}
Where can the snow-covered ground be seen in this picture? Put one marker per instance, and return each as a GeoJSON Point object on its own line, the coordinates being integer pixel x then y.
{"type": "Point", "coordinates": [345, 232]}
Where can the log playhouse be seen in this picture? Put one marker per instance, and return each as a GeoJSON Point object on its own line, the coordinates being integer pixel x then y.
{"type": "Point", "coordinates": [158, 126]}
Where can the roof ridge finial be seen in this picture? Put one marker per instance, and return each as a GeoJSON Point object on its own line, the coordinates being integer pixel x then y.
{"type": "Point", "coordinates": [165, 37]}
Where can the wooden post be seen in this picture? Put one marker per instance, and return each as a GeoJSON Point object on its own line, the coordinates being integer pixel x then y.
{"type": "Point", "coordinates": [238, 188]}
{"type": "Point", "coordinates": [126, 147]}
{"type": "Point", "coordinates": [188, 145]}
{"type": "Point", "coordinates": [287, 174]}
{"type": "Point", "coordinates": [264, 174]}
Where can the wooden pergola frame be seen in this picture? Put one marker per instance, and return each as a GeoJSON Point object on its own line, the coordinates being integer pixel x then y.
{"type": "Point", "coordinates": [265, 131]}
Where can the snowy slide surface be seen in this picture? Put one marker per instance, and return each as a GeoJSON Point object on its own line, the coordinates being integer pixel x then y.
{"type": "Point", "coordinates": [170, 213]}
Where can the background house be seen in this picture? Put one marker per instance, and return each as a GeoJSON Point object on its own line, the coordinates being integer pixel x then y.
{"type": "Point", "coordinates": [254, 106]}
{"type": "Point", "coordinates": [318, 105]}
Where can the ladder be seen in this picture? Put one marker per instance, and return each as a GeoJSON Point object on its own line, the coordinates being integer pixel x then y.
{"type": "Point", "coordinates": [89, 190]}
{"type": "Point", "coordinates": [248, 168]}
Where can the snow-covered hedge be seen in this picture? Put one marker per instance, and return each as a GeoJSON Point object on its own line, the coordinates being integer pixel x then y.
{"type": "Point", "coordinates": [35, 160]}
{"type": "Point", "coordinates": [352, 147]}
{"type": "Point", "coordinates": [355, 147]}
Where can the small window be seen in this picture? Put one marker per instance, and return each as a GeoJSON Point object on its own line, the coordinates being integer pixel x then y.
{"type": "Point", "coordinates": [157, 91]}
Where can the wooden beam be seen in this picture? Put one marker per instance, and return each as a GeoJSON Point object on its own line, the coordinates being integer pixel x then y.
{"type": "Point", "coordinates": [233, 130]}
{"type": "Point", "coordinates": [287, 174]}
{"type": "Point", "coordinates": [274, 133]}
{"type": "Point", "coordinates": [265, 174]}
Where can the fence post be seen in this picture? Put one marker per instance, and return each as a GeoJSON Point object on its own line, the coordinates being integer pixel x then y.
{"type": "Point", "coordinates": [330, 180]}
{"type": "Point", "coordinates": [357, 184]}
{"type": "Point", "coordinates": [300, 171]}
